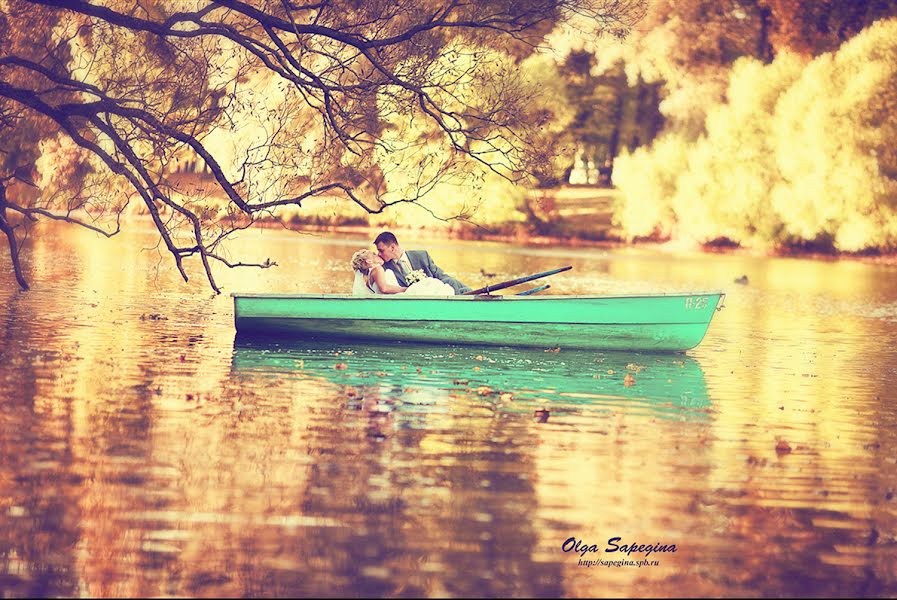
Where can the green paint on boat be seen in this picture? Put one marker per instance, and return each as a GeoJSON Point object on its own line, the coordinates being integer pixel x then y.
{"type": "Point", "coordinates": [655, 323]}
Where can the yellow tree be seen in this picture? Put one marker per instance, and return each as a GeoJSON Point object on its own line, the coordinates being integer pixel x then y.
{"type": "Point", "coordinates": [800, 153]}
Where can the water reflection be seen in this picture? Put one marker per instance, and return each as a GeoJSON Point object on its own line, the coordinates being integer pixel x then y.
{"type": "Point", "coordinates": [514, 379]}
{"type": "Point", "coordinates": [146, 452]}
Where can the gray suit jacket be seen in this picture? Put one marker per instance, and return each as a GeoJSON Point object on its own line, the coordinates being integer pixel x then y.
{"type": "Point", "coordinates": [420, 259]}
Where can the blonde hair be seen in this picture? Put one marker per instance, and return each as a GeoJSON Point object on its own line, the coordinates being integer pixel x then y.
{"type": "Point", "coordinates": [363, 260]}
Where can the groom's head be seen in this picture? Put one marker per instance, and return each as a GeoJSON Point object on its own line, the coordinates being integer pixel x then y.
{"type": "Point", "coordinates": [388, 246]}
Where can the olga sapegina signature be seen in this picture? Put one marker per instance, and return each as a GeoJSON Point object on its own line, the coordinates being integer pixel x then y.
{"type": "Point", "coordinates": [613, 545]}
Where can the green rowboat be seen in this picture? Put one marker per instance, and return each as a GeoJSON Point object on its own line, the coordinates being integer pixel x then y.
{"type": "Point", "coordinates": [652, 323]}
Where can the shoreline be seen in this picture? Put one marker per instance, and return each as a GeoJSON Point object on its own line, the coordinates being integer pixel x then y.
{"type": "Point", "coordinates": [523, 237]}
{"type": "Point", "coordinates": [520, 235]}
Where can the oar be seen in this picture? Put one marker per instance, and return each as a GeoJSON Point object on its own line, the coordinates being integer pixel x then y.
{"type": "Point", "coordinates": [513, 282]}
{"type": "Point", "coordinates": [535, 290]}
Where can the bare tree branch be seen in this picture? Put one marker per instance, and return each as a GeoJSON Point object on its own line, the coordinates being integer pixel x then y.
{"type": "Point", "coordinates": [135, 90]}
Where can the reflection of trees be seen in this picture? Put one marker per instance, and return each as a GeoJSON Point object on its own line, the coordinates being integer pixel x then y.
{"type": "Point", "coordinates": [38, 517]}
{"type": "Point", "coordinates": [448, 514]}
{"type": "Point", "coordinates": [492, 507]}
{"type": "Point", "coordinates": [399, 499]}
{"type": "Point", "coordinates": [296, 482]}
{"type": "Point", "coordinates": [77, 451]}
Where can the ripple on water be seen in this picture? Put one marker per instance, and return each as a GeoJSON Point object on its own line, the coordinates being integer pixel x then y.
{"type": "Point", "coordinates": [147, 452]}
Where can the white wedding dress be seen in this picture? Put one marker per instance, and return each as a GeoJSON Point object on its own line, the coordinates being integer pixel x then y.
{"type": "Point", "coordinates": [429, 286]}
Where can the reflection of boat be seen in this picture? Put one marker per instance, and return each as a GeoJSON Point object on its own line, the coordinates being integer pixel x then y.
{"type": "Point", "coordinates": [667, 322]}
{"type": "Point", "coordinates": [571, 376]}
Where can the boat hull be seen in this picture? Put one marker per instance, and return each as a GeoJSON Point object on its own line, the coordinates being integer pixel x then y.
{"type": "Point", "coordinates": [658, 323]}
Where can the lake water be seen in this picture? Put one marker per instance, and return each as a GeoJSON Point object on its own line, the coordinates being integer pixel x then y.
{"type": "Point", "coordinates": [146, 452]}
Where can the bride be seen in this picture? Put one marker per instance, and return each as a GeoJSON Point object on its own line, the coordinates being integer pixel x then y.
{"type": "Point", "coordinates": [371, 279]}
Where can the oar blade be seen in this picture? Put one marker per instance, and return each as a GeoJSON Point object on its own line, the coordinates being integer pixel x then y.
{"type": "Point", "coordinates": [535, 290]}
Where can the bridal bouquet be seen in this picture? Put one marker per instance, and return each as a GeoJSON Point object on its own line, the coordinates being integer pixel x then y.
{"type": "Point", "coordinates": [415, 276]}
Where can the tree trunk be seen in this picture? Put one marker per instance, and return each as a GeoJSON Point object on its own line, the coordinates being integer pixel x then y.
{"type": "Point", "coordinates": [614, 144]}
{"type": "Point", "coordinates": [656, 115]}
{"type": "Point", "coordinates": [641, 108]}
{"type": "Point", "coordinates": [6, 228]}
{"type": "Point", "coordinates": [764, 47]}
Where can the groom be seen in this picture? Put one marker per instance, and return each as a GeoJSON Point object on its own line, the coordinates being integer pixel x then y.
{"type": "Point", "coordinates": [402, 263]}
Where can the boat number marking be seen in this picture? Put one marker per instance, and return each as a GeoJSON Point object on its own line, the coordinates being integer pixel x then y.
{"type": "Point", "coordinates": [696, 303]}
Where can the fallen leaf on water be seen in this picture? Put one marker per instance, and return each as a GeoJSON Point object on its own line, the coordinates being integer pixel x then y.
{"type": "Point", "coordinates": [480, 357]}
{"type": "Point", "coordinates": [634, 367]}
{"type": "Point", "coordinates": [476, 368]}
{"type": "Point", "coordinates": [340, 366]}
{"type": "Point", "coordinates": [873, 537]}
{"type": "Point", "coordinates": [610, 371]}
{"type": "Point", "coordinates": [629, 380]}
{"type": "Point", "coordinates": [782, 446]}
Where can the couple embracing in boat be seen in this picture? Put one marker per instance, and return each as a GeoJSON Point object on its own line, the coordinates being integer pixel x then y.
{"type": "Point", "coordinates": [392, 270]}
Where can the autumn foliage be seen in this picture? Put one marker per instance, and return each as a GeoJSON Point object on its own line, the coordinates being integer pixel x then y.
{"type": "Point", "coordinates": [798, 151]}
